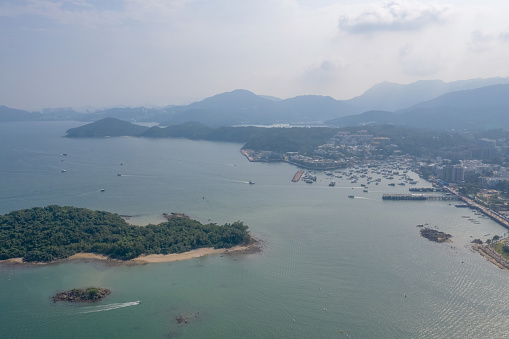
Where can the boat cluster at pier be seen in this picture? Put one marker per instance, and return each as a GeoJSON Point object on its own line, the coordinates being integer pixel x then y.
{"type": "Point", "coordinates": [387, 177]}
{"type": "Point", "coordinates": [365, 176]}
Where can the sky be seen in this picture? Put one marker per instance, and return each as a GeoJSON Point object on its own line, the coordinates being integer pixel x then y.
{"type": "Point", "coordinates": [102, 53]}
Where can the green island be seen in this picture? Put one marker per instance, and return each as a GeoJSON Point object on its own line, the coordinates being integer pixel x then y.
{"type": "Point", "coordinates": [43, 234]}
{"type": "Point", "coordinates": [80, 295]}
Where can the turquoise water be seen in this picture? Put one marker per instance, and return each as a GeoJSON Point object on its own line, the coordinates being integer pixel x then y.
{"type": "Point", "coordinates": [329, 263]}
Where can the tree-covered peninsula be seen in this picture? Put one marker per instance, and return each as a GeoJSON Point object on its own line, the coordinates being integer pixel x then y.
{"type": "Point", "coordinates": [57, 232]}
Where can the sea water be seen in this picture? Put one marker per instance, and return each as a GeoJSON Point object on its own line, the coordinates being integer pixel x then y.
{"type": "Point", "coordinates": [330, 266]}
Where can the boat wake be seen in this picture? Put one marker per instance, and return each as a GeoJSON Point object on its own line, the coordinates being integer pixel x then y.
{"type": "Point", "coordinates": [242, 182]}
{"type": "Point", "coordinates": [109, 307]}
{"type": "Point", "coordinates": [363, 198]}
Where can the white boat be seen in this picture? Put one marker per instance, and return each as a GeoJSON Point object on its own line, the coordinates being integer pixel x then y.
{"type": "Point", "coordinates": [251, 182]}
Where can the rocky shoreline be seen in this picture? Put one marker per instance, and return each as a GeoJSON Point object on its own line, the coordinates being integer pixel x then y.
{"type": "Point", "coordinates": [78, 295]}
{"type": "Point", "coordinates": [491, 255]}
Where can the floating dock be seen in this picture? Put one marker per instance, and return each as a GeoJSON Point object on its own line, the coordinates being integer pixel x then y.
{"type": "Point", "coordinates": [297, 176]}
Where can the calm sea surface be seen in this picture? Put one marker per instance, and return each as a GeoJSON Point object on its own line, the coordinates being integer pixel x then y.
{"type": "Point", "coordinates": [331, 267]}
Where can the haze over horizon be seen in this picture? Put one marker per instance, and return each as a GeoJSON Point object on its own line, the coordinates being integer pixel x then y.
{"type": "Point", "coordinates": [156, 52]}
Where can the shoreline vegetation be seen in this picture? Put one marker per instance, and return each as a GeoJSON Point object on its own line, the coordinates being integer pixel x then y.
{"type": "Point", "coordinates": [55, 233]}
{"type": "Point", "coordinates": [146, 259]}
{"type": "Point", "coordinates": [490, 254]}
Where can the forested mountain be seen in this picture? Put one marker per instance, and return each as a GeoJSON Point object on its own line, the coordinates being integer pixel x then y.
{"type": "Point", "coordinates": [388, 96]}
{"type": "Point", "coordinates": [303, 140]}
{"type": "Point", "coordinates": [12, 114]}
{"type": "Point", "coordinates": [242, 107]}
{"type": "Point", "coordinates": [477, 109]}
{"type": "Point", "coordinates": [481, 108]}
{"type": "Point", "coordinates": [108, 127]}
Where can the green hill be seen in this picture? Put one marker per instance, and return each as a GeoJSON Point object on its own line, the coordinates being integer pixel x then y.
{"type": "Point", "coordinates": [56, 232]}
{"type": "Point", "coordinates": [107, 127]}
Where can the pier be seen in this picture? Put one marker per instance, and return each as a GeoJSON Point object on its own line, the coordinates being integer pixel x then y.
{"type": "Point", "coordinates": [426, 189]}
{"type": "Point", "coordinates": [483, 209]}
{"type": "Point", "coordinates": [419, 197]}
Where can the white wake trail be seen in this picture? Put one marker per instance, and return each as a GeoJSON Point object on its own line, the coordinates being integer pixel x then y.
{"type": "Point", "coordinates": [110, 307]}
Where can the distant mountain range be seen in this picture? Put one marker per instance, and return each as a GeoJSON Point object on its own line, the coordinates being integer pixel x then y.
{"type": "Point", "coordinates": [476, 103]}
{"type": "Point", "coordinates": [480, 108]}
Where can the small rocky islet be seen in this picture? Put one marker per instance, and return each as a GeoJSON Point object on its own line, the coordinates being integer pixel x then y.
{"type": "Point", "coordinates": [78, 295]}
{"type": "Point", "coordinates": [435, 235]}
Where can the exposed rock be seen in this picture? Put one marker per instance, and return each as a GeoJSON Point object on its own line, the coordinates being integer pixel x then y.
{"type": "Point", "coordinates": [184, 319]}
{"type": "Point", "coordinates": [78, 295]}
{"type": "Point", "coordinates": [434, 235]}
{"type": "Point", "coordinates": [180, 319]}
{"type": "Point", "coordinates": [477, 241]}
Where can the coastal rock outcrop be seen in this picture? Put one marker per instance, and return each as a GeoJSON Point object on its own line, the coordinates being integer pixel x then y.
{"type": "Point", "coordinates": [78, 295]}
{"type": "Point", "coordinates": [434, 235]}
{"type": "Point", "coordinates": [186, 318]}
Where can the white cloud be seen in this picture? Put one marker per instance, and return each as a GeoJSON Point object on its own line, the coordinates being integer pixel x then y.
{"type": "Point", "coordinates": [174, 51]}
{"type": "Point", "coordinates": [393, 15]}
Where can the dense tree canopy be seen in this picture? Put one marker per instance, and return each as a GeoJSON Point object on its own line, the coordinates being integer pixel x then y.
{"type": "Point", "coordinates": [55, 232]}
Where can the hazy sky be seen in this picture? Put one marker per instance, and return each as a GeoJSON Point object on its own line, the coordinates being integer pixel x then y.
{"type": "Point", "coordinates": [160, 52]}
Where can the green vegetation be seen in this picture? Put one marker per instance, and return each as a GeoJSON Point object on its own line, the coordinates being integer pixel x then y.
{"type": "Point", "coordinates": [108, 127]}
{"type": "Point", "coordinates": [56, 232]}
{"type": "Point", "coordinates": [303, 140]}
{"type": "Point", "coordinates": [419, 142]}
{"type": "Point", "coordinates": [502, 249]}
{"type": "Point", "coordinates": [90, 294]}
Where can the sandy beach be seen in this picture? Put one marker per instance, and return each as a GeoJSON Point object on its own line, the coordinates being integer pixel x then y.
{"type": "Point", "coordinates": [151, 258]}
